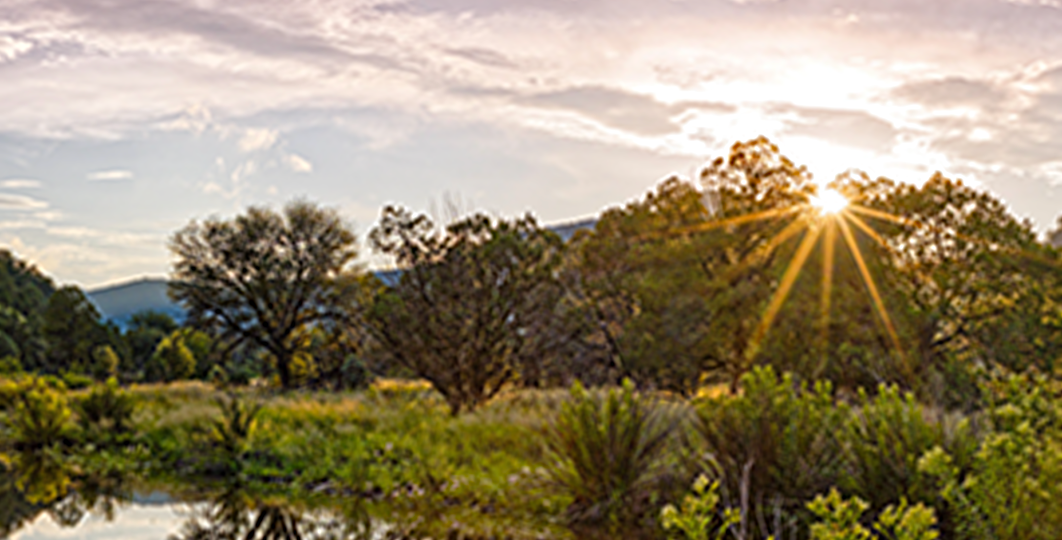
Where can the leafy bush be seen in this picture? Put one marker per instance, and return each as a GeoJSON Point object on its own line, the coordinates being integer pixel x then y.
{"type": "Point", "coordinates": [1013, 485]}
{"type": "Point", "coordinates": [697, 518]}
{"type": "Point", "coordinates": [76, 381]}
{"type": "Point", "coordinates": [40, 416]}
{"type": "Point", "coordinates": [773, 446]}
{"type": "Point", "coordinates": [886, 437]}
{"type": "Point", "coordinates": [9, 365]}
{"type": "Point", "coordinates": [172, 361]}
{"type": "Point", "coordinates": [104, 363]}
{"type": "Point", "coordinates": [606, 454]}
{"type": "Point", "coordinates": [839, 519]}
{"type": "Point", "coordinates": [106, 413]}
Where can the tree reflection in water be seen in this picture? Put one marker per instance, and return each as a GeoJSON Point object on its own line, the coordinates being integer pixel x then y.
{"type": "Point", "coordinates": [234, 515]}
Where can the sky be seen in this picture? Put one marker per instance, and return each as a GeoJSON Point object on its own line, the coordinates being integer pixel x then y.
{"type": "Point", "coordinates": [122, 120]}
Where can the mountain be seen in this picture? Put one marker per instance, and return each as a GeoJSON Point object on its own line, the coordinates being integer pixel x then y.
{"type": "Point", "coordinates": [117, 303]}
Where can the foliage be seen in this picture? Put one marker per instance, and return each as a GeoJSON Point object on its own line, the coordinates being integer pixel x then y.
{"type": "Point", "coordinates": [104, 363]}
{"type": "Point", "coordinates": [72, 328]}
{"type": "Point", "coordinates": [232, 432]}
{"type": "Point", "coordinates": [262, 276]}
{"type": "Point", "coordinates": [75, 381]}
{"type": "Point", "coordinates": [9, 365]}
{"type": "Point", "coordinates": [173, 360]}
{"type": "Point", "coordinates": [40, 415]}
{"type": "Point", "coordinates": [24, 292]}
{"type": "Point", "coordinates": [145, 330]}
{"type": "Point", "coordinates": [697, 518]}
{"type": "Point", "coordinates": [1013, 484]}
{"type": "Point", "coordinates": [105, 414]}
{"type": "Point", "coordinates": [471, 304]}
{"type": "Point", "coordinates": [606, 453]}
{"type": "Point", "coordinates": [774, 445]}
{"type": "Point", "coordinates": [886, 437]}
{"type": "Point", "coordinates": [839, 519]}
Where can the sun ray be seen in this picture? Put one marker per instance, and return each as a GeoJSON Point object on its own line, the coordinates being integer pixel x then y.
{"type": "Point", "coordinates": [873, 289]}
{"type": "Point", "coordinates": [828, 242]}
{"type": "Point", "coordinates": [736, 220]}
{"type": "Point", "coordinates": [788, 279]}
{"type": "Point", "coordinates": [980, 241]}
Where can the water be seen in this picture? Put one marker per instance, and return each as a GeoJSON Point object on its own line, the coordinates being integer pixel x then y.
{"type": "Point", "coordinates": [224, 513]}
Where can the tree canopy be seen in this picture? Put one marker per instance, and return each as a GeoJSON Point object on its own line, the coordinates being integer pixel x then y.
{"type": "Point", "coordinates": [263, 276]}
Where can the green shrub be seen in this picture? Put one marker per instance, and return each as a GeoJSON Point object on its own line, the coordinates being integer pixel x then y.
{"type": "Point", "coordinates": [76, 381]}
{"type": "Point", "coordinates": [172, 361]}
{"type": "Point", "coordinates": [106, 413]}
{"type": "Point", "coordinates": [40, 416]}
{"type": "Point", "coordinates": [839, 519]}
{"type": "Point", "coordinates": [1013, 485]}
{"type": "Point", "coordinates": [606, 454]}
{"type": "Point", "coordinates": [10, 365]}
{"type": "Point", "coordinates": [104, 363]}
{"type": "Point", "coordinates": [774, 446]}
{"type": "Point", "coordinates": [886, 437]}
{"type": "Point", "coordinates": [698, 518]}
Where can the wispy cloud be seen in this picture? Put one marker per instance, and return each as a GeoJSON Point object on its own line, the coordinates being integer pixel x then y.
{"type": "Point", "coordinates": [110, 175]}
{"type": "Point", "coordinates": [20, 183]}
{"type": "Point", "coordinates": [20, 202]}
{"type": "Point", "coordinates": [298, 163]}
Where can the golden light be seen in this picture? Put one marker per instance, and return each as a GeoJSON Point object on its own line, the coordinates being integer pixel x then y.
{"type": "Point", "coordinates": [829, 201]}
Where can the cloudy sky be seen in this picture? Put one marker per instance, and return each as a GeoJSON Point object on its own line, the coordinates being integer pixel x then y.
{"type": "Point", "coordinates": [121, 120]}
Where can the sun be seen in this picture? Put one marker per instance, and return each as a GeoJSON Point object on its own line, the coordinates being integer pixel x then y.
{"type": "Point", "coordinates": [829, 201]}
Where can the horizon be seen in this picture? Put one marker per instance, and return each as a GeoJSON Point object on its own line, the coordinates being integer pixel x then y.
{"type": "Point", "coordinates": [126, 120]}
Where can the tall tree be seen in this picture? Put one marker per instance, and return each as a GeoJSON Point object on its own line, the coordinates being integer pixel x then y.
{"type": "Point", "coordinates": [467, 309]}
{"type": "Point", "coordinates": [72, 329]}
{"type": "Point", "coordinates": [24, 292]}
{"type": "Point", "coordinates": [677, 280]}
{"type": "Point", "coordinates": [261, 277]}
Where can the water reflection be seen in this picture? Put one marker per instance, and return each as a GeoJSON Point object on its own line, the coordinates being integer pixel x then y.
{"type": "Point", "coordinates": [233, 514]}
{"type": "Point", "coordinates": [37, 484]}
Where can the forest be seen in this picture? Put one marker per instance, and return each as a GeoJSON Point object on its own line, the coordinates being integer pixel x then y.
{"type": "Point", "coordinates": [748, 354]}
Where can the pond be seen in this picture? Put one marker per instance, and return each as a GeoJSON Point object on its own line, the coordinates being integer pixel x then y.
{"type": "Point", "coordinates": [229, 513]}
{"type": "Point", "coordinates": [39, 501]}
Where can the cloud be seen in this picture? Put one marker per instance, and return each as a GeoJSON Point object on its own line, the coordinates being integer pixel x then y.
{"type": "Point", "coordinates": [257, 139]}
{"type": "Point", "coordinates": [110, 175]}
{"type": "Point", "coordinates": [615, 107]}
{"type": "Point", "coordinates": [951, 92]}
{"type": "Point", "coordinates": [298, 163]}
{"type": "Point", "coordinates": [20, 183]}
{"type": "Point", "coordinates": [845, 127]}
{"type": "Point", "coordinates": [20, 202]}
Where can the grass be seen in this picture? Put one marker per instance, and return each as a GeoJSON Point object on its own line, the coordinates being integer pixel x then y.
{"type": "Point", "coordinates": [395, 445]}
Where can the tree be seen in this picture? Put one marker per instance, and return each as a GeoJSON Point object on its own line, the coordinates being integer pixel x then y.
{"type": "Point", "coordinates": [263, 276]}
{"type": "Point", "coordinates": [72, 329]}
{"type": "Point", "coordinates": [24, 292]}
{"type": "Point", "coordinates": [143, 334]}
{"type": "Point", "coordinates": [465, 308]}
{"type": "Point", "coordinates": [978, 282]}
{"type": "Point", "coordinates": [677, 281]}
{"type": "Point", "coordinates": [172, 361]}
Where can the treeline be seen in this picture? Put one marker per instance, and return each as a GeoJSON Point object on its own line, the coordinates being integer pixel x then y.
{"type": "Point", "coordinates": [692, 285]}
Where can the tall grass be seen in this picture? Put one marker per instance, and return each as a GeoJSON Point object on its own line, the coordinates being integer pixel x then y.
{"type": "Point", "coordinates": [606, 452]}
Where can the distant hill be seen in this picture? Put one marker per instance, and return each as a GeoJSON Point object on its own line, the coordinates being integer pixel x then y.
{"type": "Point", "coordinates": [119, 302]}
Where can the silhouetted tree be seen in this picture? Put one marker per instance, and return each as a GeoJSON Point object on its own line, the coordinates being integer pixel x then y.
{"type": "Point", "coordinates": [464, 310]}
{"type": "Point", "coordinates": [261, 277]}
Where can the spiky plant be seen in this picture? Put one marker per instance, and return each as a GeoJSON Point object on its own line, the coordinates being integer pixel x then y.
{"type": "Point", "coordinates": [231, 433]}
{"type": "Point", "coordinates": [606, 453]}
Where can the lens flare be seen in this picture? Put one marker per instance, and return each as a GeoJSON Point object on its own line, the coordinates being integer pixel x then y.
{"type": "Point", "coordinates": [830, 201]}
